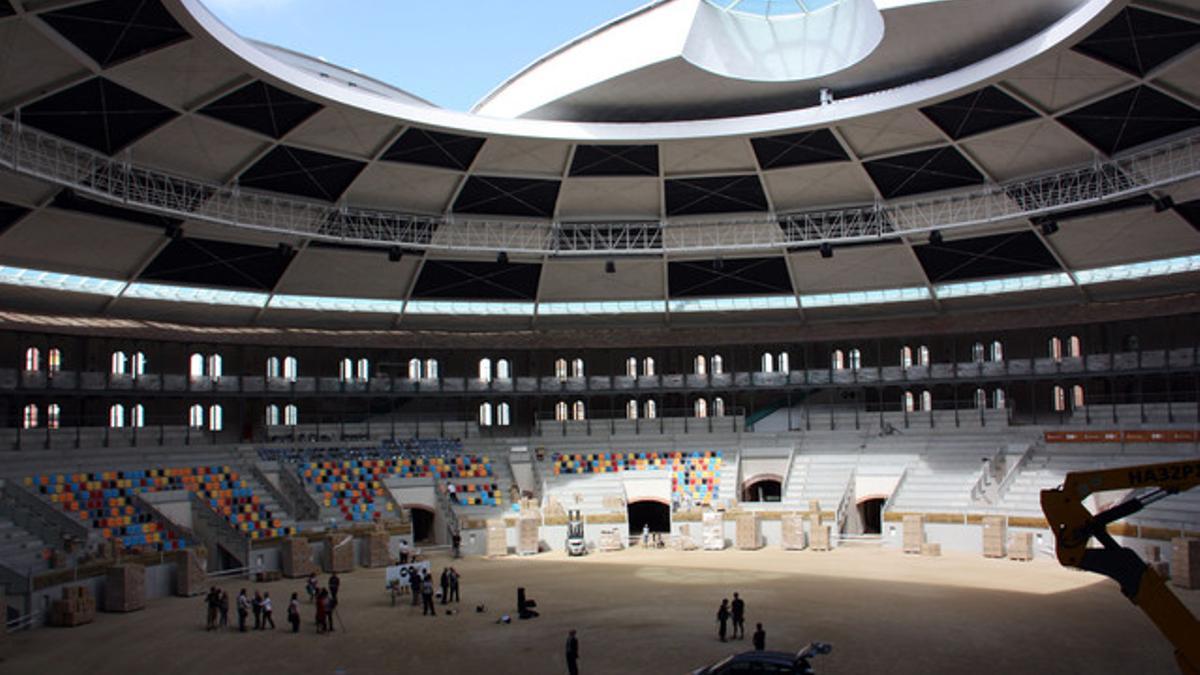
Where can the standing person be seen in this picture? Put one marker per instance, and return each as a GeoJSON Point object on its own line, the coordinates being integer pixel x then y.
{"type": "Point", "coordinates": [243, 608]}
{"type": "Point", "coordinates": [646, 535]}
{"type": "Point", "coordinates": [427, 596]}
{"type": "Point", "coordinates": [256, 605]}
{"type": "Point", "coordinates": [223, 608]}
{"type": "Point", "coordinates": [572, 653]}
{"type": "Point", "coordinates": [311, 587]}
{"type": "Point", "coordinates": [445, 584]}
{"type": "Point", "coordinates": [266, 611]}
{"type": "Point", "coordinates": [212, 601]}
{"type": "Point", "coordinates": [414, 584]}
{"type": "Point", "coordinates": [739, 617]}
{"type": "Point", "coordinates": [723, 618]}
{"type": "Point", "coordinates": [760, 638]}
{"type": "Point", "coordinates": [293, 614]}
{"type": "Point", "coordinates": [334, 584]}
{"type": "Point", "coordinates": [321, 607]}
{"type": "Point", "coordinates": [456, 544]}
{"type": "Point", "coordinates": [330, 612]}
{"type": "Point", "coordinates": [453, 585]}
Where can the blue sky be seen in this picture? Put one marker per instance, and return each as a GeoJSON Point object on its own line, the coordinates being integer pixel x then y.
{"type": "Point", "coordinates": [451, 52]}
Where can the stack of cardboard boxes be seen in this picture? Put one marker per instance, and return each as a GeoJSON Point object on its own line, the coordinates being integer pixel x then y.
{"type": "Point", "coordinates": [818, 539]}
{"type": "Point", "coordinates": [339, 553]}
{"type": "Point", "coordinates": [747, 532]}
{"type": "Point", "coordinates": [794, 538]}
{"type": "Point", "coordinates": [1185, 562]}
{"type": "Point", "coordinates": [528, 535]}
{"type": "Point", "coordinates": [297, 558]}
{"type": "Point", "coordinates": [611, 540]}
{"type": "Point", "coordinates": [713, 533]}
{"type": "Point", "coordinates": [995, 535]}
{"type": "Point", "coordinates": [931, 550]}
{"type": "Point", "coordinates": [497, 537]}
{"type": "Point", "coordinates": [914, 533]}
{"type": "Point", "coordinates": [377, 554]}
{"type": "Point", "coordinates": [1020, 546]}
{"type": "Point", "coordinates": [684, 541]}
{"type": "Point", "coordinates": [76, 608]}
{"type": "Point", "coordinates": [190, 573]}
{"type": "Point", "coordinates": [125, 588]}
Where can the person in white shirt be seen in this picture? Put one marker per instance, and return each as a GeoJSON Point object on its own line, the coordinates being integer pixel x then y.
{"type": "Point", "coordinates": [266, 611]}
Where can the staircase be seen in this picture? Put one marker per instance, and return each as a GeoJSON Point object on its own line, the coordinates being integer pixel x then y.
{"type": "Point", "coordinates": [728, 489]}
{"type": "Point", "coordinates": [214, 531]}
{"type": "Point", "coordinates": [21, 552]}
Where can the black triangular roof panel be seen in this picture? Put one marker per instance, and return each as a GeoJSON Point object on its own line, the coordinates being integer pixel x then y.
{"type": "Point", "coordinates": [206, 262]}
{"type": "Point", "coordinates": [302, 172]}
{"type": "Point", "coordinates": [1190, 212]}
{"type": "Point", "coordinates": [10, 214]}
{"type": "Point", "coordinates": [112, 31]}
{"type": "Point", "coordinates": [434, 148]}
{"type": "Point", "coordinates": [923, 171]}
{"type": "Point", "coordinates": [725, 278]}
{"type": "Point", "coordinates": [996, 255]}
{"type": "Point", "coordinates": [477, 280]}
{"type": "Point", "coordinates": [615, 160]}
{"type": "Point", "coordinates": [6, 9]}
{"type": "Point", "coordinates": [1137, 41]}
{"type": "Point", "coordinates": [716, 194]}
{"type": "Point", "coordinates": [983, 110]}
{"type": "Point", "coordinates": [264, 108]}
{"type": "Point", "coordinates": [501, 196]}
{"type": "Point", "coordinates": [808, 147]}
{"type": "Point", "coordinates": [1131, 118]}
{"type": "Point", "coordinates": [98, 113]}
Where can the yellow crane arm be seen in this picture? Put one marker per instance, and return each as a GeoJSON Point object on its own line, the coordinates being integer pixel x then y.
{"type": "Point", "coordinates": [1074, 526]}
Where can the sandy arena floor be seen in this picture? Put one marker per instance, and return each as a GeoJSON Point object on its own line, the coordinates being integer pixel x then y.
{"type": "Point", "coordinates": [654, 612]}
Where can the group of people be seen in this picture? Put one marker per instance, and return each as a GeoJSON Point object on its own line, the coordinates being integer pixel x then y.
{"type": "Point", "coordinates": [217, 603]}
{"type": "Point", "coordinates": [736, 611]}
{"type": "Point", "coordinates": [324, 599]}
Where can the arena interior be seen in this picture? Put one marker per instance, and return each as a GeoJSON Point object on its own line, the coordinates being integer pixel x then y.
{"type": "Point", "coordinates": [807, 300]}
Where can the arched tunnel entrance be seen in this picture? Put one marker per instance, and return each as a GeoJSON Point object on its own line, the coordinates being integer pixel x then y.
{"type": "Point", "coordinates": [646, 512]}
{"type": "Point", "coordinates": [767, 489]}
{"type": "Point", "coordinates": [870, 512]}
{"type": "Point", "coordinates": [422, 524]}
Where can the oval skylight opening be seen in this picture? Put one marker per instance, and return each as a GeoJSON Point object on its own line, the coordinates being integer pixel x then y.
{"type": "Point", "coordinates": [773, 8]}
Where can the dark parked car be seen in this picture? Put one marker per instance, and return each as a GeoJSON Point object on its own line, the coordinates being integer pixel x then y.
{"type": "Point", "coordinates": [767, 662]}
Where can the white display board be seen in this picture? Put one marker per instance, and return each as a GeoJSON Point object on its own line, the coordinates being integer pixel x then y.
{"type": "Point", "coordinates": [714, 531]}
{"type": "Point", "coordinates": [403, 573]}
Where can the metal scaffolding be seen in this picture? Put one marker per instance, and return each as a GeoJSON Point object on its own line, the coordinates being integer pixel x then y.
{"type": "Point", "coordinates": [39, 155]}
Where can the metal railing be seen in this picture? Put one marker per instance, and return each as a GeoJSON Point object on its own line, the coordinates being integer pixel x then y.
{"type": "Point", "coordinates": [36, 154]}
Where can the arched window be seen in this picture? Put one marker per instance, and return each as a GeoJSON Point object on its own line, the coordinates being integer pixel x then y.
{"type": "Point", "coordinates": [215, 366]}
{"type": "Point", "coordinates": [29, 419]}
{"type": "Point", "coordinates": [362, 370]}
{"type": "Point", "coordinates": [54, 360]}
{"type": "Point", "coordinates": [700, 365]}
{"type": "Point", "coordinates": [650, 408]}
{"type": "Point", "coordinates": [485, 414]}
{"type": "Point", "coordinates": [53, 412]}
{"type": "Point", "coordinates": [116, 416]}
{"type": "Point", "coordinates": [196, 365]}
{"type": "Point", "coordinates": [718, 364]}
{"type": "Point", "coordinates": [216, 417]}
{"type": "Point", "coordinates": [431, 369]}
{"type": "Point", "coordinates": [578, 411]}
{"type": "Point", "coordinates": [926, 400]}
{"type": "Point", "coordinates": [503, 415]}
{"type": "Point", "coordinates": [1074, 347]}
{"type": "Point", "coordinates": [120, 363]}
{"type": "Point", "coordinates": [631, 367]}
{"type": "Point", "coordinates": [1077, 400]}
{"type": "Point", "coordinates": [768, 363]}
{"type": "Point", "coordinates": [700, 407]}
{"type": "Point", "coordinates": [271, 417]}
{"type": "Point", "coordinates": [1060, 399]}
{"type": "Point", "coordinates": [485, 369]}
{"type": "Point", "coordinates": [577, 368]}
{"type": "Point", "coordinates": [906, 357]}
{"type": "Point", "coordinates": [273, 366]}
{"type": "Point", "coordinates": [345, 370]}
{"type": "Point", "coordinates": [503, 369]}
{"type": "Point", "coordinates": [291, 415]}
{"type": "Point", "coordinates": [196, 416]}
{"type": "Point", "coordinates": [923, 356]}
{"type": "Point", "coordinates": [648, 366]}
{"type": "Point", "coordinates": [560, 411]}
{"type": "Point", "coordinates": [33, 360]}
{"type": "Point", "coordinates": [560, 369]}
{"type": "Point", "coordinates": [1055, 348]}
{"type": "Point", "coordinates": [718, 407]}
{"type": "Point", "coordinates": [978, 355]}
{"type": "Point", "coordinates": [631, 409]}
{"type": "Point", "coordinates": [997, 351]}
{"type": "Point", "coordinates": [291, 369]}
{"type": "Point", "coordinates": [138, 367]}
{"type": "Point", "coordinates": [837, 360]}
{"type": "Point", "coordinates": [783, 362]}
{"type": "Point", "coordinates": [980, 398]}
{"type": "Point", "coordinates": [908, 401]}
{"type": "Point", "coordinates": [998, 401]}
{"type": "Point", "coordinates": [855, 359]}
{"type": "Point", "coordinates": [137, 416]}
{"type": "Point", "coordinates": [414, 369]}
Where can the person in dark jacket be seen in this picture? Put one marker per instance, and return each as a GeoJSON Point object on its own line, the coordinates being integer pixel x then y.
{"type": "Point", "coordinates": [293, 613]}
{"type": "Point", "coordinates": [223, 608]}
{"type": "Point", "coordinates": [760, 638]}
{"type": "Point", "coordinates": [414, 583]}
{"type": "Point", "coordinates": [427, 596]}
{"type": "Point", "coordinates": [572, 653]}
{"type": "Point", "coordinates": [445, 584]}
{"type": "Point", "coordinates": [723, 618]}
{"type": "Point", "coordinates": [257, 607]}
{"type": "Point", "coordinates": [738, 612]}
{"type": "Point", "coordinates": [453, 585]}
